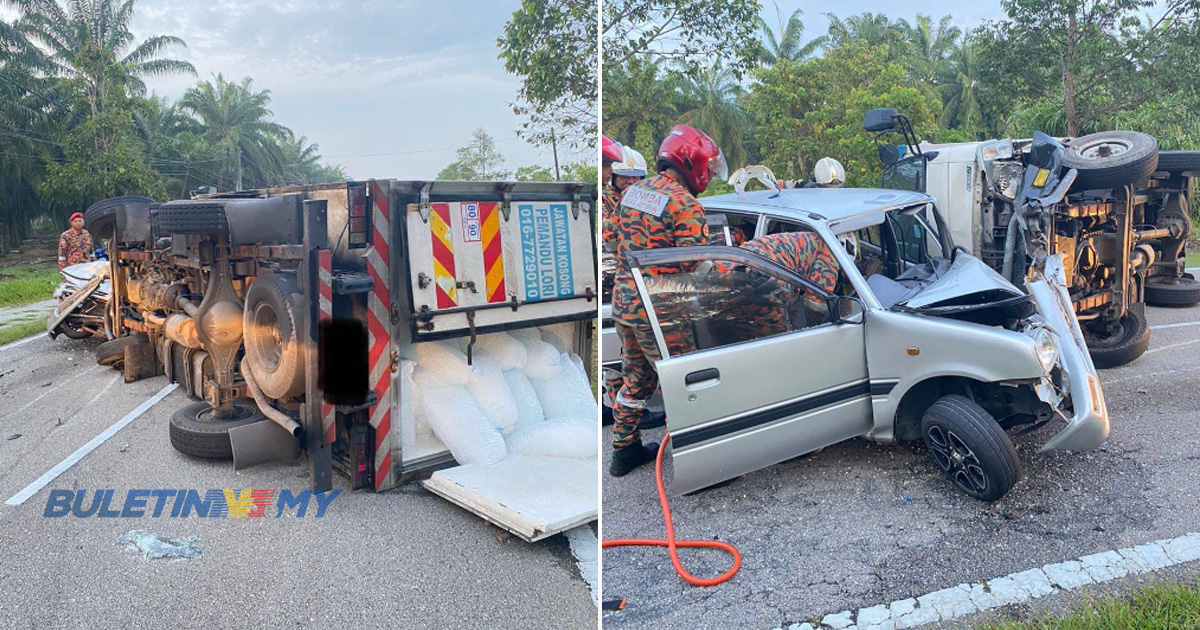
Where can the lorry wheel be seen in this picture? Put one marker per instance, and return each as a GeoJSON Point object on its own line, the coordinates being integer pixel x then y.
{"type": "Point", "coordinates": [274, 348]}
{"type": "Point", "coordinates": [1111, 158]}
{"type": "Point", "coordinates": [968, 445]}
{"type": "Point", "coordinates": [1172, 291]}
{"type": "Point", "coordinates": [1178, 161]}
{"type": "Point", "coordinates": [194, 430]}
{"type": "Point", "coordinates": [1125, 344]}
{"type": "Point", "coordinates": [101, 217]}
{"type": "Point", "coordinates": [112, 353]}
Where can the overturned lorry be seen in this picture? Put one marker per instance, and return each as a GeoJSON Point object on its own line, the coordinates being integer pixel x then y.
{"type": "Point", "coordinates": [1111, 203]}
{"type": "Point", "coordinates": [285, 312]}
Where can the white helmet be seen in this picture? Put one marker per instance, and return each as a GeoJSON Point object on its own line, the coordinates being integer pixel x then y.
{"type": "Point", "coordinates": [829, 173]}
{"type": "Point", "coordinates": [634, 165]}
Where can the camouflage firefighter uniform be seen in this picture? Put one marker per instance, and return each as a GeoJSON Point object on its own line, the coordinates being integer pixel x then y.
{"type": "Point", "coordinates": [765, 307]}
{"type": "Point", "coordinates": [74, 247]}
{"type": "Point", "coordinates": [612, 199]}
{"type": "Point", "coordinates": [655, 212]}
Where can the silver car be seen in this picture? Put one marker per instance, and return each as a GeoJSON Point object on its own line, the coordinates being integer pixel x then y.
{"type": "Point", "coordinates": [919, 340]}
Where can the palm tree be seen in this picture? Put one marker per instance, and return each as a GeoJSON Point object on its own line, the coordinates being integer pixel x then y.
{"type": "Point", "coordinates": [709, 101]}
{"type": "Point", "coordinates": [930, 47]}
{"type": "Point", "coordinates": [873, 28]}
{"type": "Point", "coordinates": [235, 117]}
{"type": "Point", "coordinates": [787, 44]}
{"type": "Point", "coordinates": [959, 88]}
{"type": "Point", "coordinates": [89, 43]}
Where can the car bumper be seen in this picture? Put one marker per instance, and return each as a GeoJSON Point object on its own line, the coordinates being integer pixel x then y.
{"type": "Point", "coordinates": [1087, 425]}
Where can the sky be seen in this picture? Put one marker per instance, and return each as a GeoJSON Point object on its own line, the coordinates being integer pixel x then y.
{"type": "Point", "coordinates": [966, 16]}
{"type": "Point", "coordinates": [386, 88]}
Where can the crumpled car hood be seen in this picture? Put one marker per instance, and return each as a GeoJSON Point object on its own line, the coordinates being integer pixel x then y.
{"type": "Point", "coordinates": [82, 273]}
{"type": "Point", "coordinates": [967, 277]}
{"type": "Point", "coordinates": [966, 289]}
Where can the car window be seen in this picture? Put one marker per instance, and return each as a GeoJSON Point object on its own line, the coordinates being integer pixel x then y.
{"type": "Point", "coordinates": [915, 241]}
{"type": "Point", "coordinates": [730, 228]}
{"type": "Point", "coordinates": [719, 303]}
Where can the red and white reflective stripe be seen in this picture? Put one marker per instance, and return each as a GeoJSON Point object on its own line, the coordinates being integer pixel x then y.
{"type": "Point", "coordinates": [378, 328]}
{"type": "Point", "coordinates": [325, 314]}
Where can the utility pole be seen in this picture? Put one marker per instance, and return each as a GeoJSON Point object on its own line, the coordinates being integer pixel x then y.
{"type": "Point", "coordinates": [554, 145]}
{"type": "Point", "coordinates": [238, 171]}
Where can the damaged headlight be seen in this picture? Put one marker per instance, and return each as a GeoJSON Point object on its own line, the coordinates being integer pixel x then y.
{"type": "Point", "coordinates": [1047, 348]}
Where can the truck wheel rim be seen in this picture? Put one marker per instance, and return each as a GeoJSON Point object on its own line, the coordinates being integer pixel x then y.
{"type": "Point", "coordinates": [1103, 149]}
{"type": "Point", "coordinates": [957, 460]}
{"type": "Point", "coordinates": [268, 343]}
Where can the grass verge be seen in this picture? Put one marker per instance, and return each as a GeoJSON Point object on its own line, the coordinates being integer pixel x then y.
{"type": "Point", "coordinates": [22, 284]}
{"type": "Point", "coordinates": [1156, 606]}
{"type": "Point", "coordinates": [21, 330]}
{"type": "Point", "coordinates": [1192, 260]}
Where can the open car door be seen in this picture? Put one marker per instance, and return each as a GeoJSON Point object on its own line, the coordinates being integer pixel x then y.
{"type": "Point", "coordinates": [759, 364]}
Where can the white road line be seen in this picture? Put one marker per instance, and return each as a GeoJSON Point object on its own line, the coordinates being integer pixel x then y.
{"type": "Point", "coordinates": [21, 342]}
{"type": "Point", "coordinates": [1176, 325]}
{"type": "Point", "coordinates": [73, 458]}
{"type": "Point", "coordinates": [968, 599]}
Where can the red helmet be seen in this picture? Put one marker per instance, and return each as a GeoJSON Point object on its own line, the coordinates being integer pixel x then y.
{"type": "Point", "coordinates": [691, 152]}
{"type": "Point", "coordinates": [611, 150]}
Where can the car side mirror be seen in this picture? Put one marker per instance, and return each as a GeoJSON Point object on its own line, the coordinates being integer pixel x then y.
{"type": "Point", "coordinates": [880, 119]}
{"type": "Point", "coordinates": [846, 309]}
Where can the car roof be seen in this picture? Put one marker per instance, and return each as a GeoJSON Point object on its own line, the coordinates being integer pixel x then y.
{"type": "Point", "coordinates": [827, 204]}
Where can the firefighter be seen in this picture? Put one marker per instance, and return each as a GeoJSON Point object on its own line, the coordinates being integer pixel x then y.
{"type": "Point", "coordinates": [74, 245]}
{"type": "Point", "coordinates": [804, 253]}
{"type": "Point", "coordinates": [628, 171]}
{"type": "Point", "coordinates": [611, 152]}
{"type": "Point", "coordinates": [661, 211]}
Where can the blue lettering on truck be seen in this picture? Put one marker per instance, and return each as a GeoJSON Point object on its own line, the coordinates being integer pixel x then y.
{"type": "Point", "coordinates": [546, 251]}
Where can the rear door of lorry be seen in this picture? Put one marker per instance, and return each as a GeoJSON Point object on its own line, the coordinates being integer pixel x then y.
{"type": "Point", "coordinates": [493, 256]}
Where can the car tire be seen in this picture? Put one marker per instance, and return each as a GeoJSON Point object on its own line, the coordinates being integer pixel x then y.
{"type": "Point", "coordinates": [270, 325]}
{"type": "Point", "coordinates": [1124, 346]}
{"type": "Point", "coordinates": [195, 432]}
{"type": "Point", "coordinates": [71, 331]}
{"type": "Point", "coordinates": [1135, 158]}
{"type": "Point", "coordinates": [112, 353]}
{"type": "Point", "coordinates": [101, 217]}
{"type": "Point", "coordinates": [968, 445]}
{"type": "Point", "coordinates": [1172, 291]}
{"type": "Point", "coordinates": [1178, 161]}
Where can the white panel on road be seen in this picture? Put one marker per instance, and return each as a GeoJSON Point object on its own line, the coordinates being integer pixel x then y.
{"type": "Point", "coordinates": [73, 458]}
{"type": "Point", "coordinates": [532, 497]}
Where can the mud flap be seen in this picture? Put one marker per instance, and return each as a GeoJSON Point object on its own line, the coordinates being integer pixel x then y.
{"type": "Point", "coordinates": [261, 443]}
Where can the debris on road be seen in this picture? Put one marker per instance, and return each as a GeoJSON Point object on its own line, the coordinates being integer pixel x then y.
{"type": "Point", "coordinates": [154, 546]}
{"type": "Point", "coordinates": [14, 436]}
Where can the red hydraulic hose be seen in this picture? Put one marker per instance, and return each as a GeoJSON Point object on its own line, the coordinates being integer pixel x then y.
{"type": "Point", "coordinates": [670, 543]}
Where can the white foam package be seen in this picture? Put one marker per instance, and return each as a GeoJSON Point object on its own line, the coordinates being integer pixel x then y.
{"type": "Point", "coordinates": [544, 363]}
{"type": "Point", "coordinates": [567, 396]}
{"type": "Point", "coordinates": [491, 392]}
{"type": "Point", "coordinates": [573, 439]}
{"type": "Point", "coordinates": [457, 420]}
{"type": "Point", "coordinates": [505, 349]}
{"type": "Point", "coordinates": [561, 336]}
{"type": "Point", "coordinates": [529, 408]}
{"type": "Point", "coordinates": [443, 358]}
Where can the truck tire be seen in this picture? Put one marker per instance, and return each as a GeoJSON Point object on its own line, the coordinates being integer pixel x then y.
{"type": "Point", "coordinates": [968, 445]}
{"type": "Point", "coordinates": [101, 218]}
{"type": "Point", "coordinates": [1129, 342]}
{"type": "Point", "coordinates": [112, 353]}
{"type": "Point", "coordinates": [1171, 291]}
{"type": "Point", "coordinates": [270, 325]}
{"type": "Point", "coordinates": [1131, 157]}
{"type": "Point", "coordinates": [72, 330]}
{"type": "Point", "coordinates": [191, 217]}
{"type": "Point", "coordinates": [1178, 161]}
{"type": "Point", "coordinates": [195, 432]}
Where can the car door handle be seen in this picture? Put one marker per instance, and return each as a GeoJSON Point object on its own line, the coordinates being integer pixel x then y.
{"type": "Point", "coordinates": [702, 378]}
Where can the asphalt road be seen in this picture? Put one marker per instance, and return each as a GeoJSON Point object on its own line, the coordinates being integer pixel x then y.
{"type": "Point", "coordinates": [403, 558]}
{"type": "Point", "coordinates": [861, 524]}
